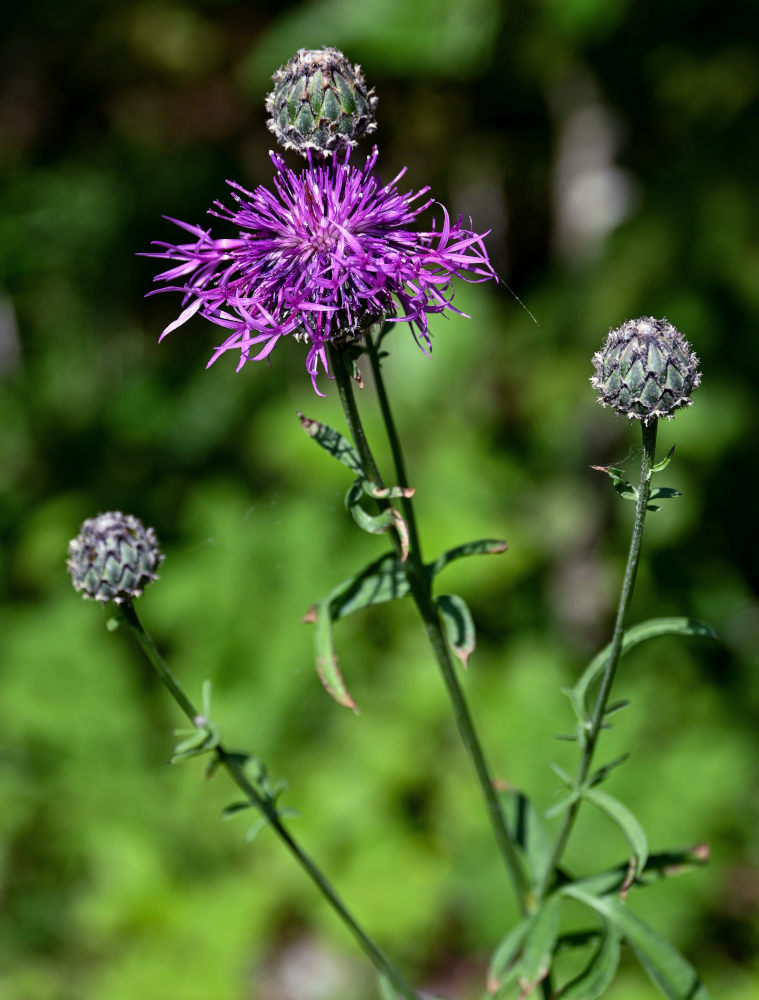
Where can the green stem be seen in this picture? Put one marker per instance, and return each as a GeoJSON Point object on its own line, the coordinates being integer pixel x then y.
{"type": "Point", "coordinates": [421, 592]}
{"type": "Point", "coordinates": [649, 429]}
{"type": "Point", "coordinates": [231, 762]}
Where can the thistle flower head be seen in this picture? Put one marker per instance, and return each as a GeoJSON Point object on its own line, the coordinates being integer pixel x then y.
{"type": "Point", "coordinates": [646, 369]}
{"type": "Point", "coordinates": [325, 254]}
{"type": "Point", "coordinates": [113, 558]}
{"type": "Point", "coordinates": [320, 102]}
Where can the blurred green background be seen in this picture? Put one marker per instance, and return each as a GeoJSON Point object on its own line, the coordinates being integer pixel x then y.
{"type": "Point", "coordinates": [611, 147]}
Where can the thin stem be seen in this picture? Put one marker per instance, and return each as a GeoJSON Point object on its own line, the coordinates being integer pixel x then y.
{"type": "Point", "coordinates": [649, 429]}
{"type": "Point", "coordinates": [232, 764]}
{"type": "Point", "coordinates": [421, 592]}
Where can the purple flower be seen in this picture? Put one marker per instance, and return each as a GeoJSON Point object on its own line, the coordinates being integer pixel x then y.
{"type": "Point", "coordinates": [326, 253]}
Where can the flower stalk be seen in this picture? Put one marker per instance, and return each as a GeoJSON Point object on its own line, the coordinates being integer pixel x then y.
{"type": "Point", "coordinates": [421, 592]}
{"type": "Point", "coordinates": [126, 614]}
{"type": "Point", "coordinates": [649, 430]}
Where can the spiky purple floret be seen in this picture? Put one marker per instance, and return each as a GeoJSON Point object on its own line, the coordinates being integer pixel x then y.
{"type": "Point", "coordinates": [323, 255]}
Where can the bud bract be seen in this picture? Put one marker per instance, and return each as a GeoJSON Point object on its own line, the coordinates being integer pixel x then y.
{"type": "Point", "coordinates": [113, 558]}
{"type": "Point", "coordinates": [646, 369]}
{"type": "Point", "coordinates": [320, 102]}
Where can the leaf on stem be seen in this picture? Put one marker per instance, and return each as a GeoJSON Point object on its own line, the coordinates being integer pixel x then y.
{"type": "Point", "coordinates": [482, 547]}
{"type": "Point", "coordinates": [334, 443]}
{"type": "Point", "coordinates": [381, 581]}
{"type": "Point", "coordinates": [593, 981]}
{"type": "Point", "coordinates": [661, 466]}
{"type": "Point", "coordinates": [664, 965]}
{"type": "Point", "coordinates": [376, 524]}
{"type": "Point", "coordinates": [623, 486]}
{"type": "Point", "coordinates": [539, 945]}
{"type": "Point", "coordinates": [529, 831]}
{"type": "Point", "coordinates": [502, 967]}
{"type": "Point", "coordinates": [627, 823]}
{"type": "Point", "coordinates": [667, 864]}
{"type": "Point", "coordinates": [458, 624]}
{"type": "Point", "coordinates": [633, 636]}
{"type": "Point", "coordinates": [326, 658]}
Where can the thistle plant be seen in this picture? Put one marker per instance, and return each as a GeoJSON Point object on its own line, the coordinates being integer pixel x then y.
{"type": "Point", "coordinates": [332, 256]}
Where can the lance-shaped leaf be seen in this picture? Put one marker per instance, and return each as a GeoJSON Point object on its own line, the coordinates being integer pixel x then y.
{"type": "Point", "coordinates": [381, 581]}
{"type": "Point", "coordinates": [633, 637]}
{"type": "Point", "coordinates": [458, 624]}
{"type": "Point", "coordinates": [334, 443]}
{"type": "Point", "coordinates": [502, 967]}
{"type": "Point", "coordinates": [326, 658]}
{"type": "Point", "coordinates": [665, 966]}
{"type": "Point", "coordinates": [664, 493]}
{"type": "Point", "coordinates": [539, 945]}
{"type": "Point", "coordinates": [627, 823]}
{"type": "Point", "coordinates": [662, 465]}
{"type": "Point", "coordinates": [483, 547]}
{"type": "Point", "coordinates": [599, 973]}
{"type": "Point", "coordinates": [377, 524]}
{"type": "Point", "coordinates": [665, 864]}
{"type": "Point", "coordinates": [529, 831]}
{"type": "Point", "coordinates": [625, 488]}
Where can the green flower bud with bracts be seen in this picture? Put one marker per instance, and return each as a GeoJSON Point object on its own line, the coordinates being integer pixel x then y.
{"type": "Point", "coordinates": [320, 102]}
{"type": "Point", "coordinates": [646, 369]}
{"type": "Point", "coordinates": [113, 558]}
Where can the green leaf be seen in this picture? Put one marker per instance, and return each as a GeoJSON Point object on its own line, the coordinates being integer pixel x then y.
{"type": "Point", "coordinates": [664, 493]}
{"type": "Point", "coordinates": [634, 636]}
{"type": "Point", "coordinates": [561, 773]}
{"type": "Point", "coordinates": [326, 658]}
{"type": "Point", "coordinates": [661, 466]}
{"type": "Point", "coordinates": [599, 973]}
{"type": "Point", "coordinates": [483, 547]}
{"type": "Point", "coordinates": [386, 990]}
{"type": "Point", "coordinates": [625, 488]}
{"type": "Point", "coordinates": [605, 770]}
{"type": "Point", "coordinates": [664, 965]}
{"type": "Point", "coordinates": [666, 864]}
{"type": "Point", "coordinates": [627, 823]}
{"type": "Point", "coordinates": [458, 624]}
{"type": "Point", "coordinates": [562, 805]}
{"type": "Point", "coordinates": [540, 941]}
{"type": "Point", "coordinates": [376, 524]}
{"type": "Point", "coordinates": [381, 581]}
{"type": "Point", "coordinates": [529, 831]}
{"type": "Point", "coordinates": [334, 443]}
{"type": "Point", "coordinates": [234, 808]}
{"type": "Point", "coordinates": [504, 957]}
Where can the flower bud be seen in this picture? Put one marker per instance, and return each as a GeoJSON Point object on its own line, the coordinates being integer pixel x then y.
{"type": "Point", "coordinates": [646, 369]}
{"type": "Point", "coordinates": [320, 101]}
{"type": "Point", "coordinates": [113, 558]}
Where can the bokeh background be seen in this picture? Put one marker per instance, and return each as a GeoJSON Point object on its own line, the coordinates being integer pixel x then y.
{"type": "Point", "coordinates": [611, 147]}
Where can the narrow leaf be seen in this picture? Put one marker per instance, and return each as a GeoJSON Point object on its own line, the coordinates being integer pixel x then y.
{"type": "Point", "coordinates": [539, 944]}
{"type": "Point", "coordinates": [483, 547]}
{"type": "Point", "coordinates": [459, 627]}
{"type": "Point", "coordinates": [386, 990]}
{"type": "Point", "coordinates": [605, 770]}
{"type": "Point", "coordinates": [377, 524]}
{"type": "Point", "coordinates": [235, 807]}
{"type": "Point", "coordinates": [621, 485]}
{"type": "Point", "coordinates": [505, 956]}
{"type": "Point", "coordinates": [664, 493]}
{"type": "Point", "coordinates": [326, 658]}
{"type": "Point", "coordinates": [528, 829]}
{"type": "Point", "coordinates": [664, 965]}
{"type": "Point", "coordinates": [562, 805]}
{"type": "Point", "coordinates": [333, 443]}
{"type": "Point", "coordinates": [599, 973]}
{"type": "Point", "coordinates": [661, 466]}
{"type": "Point", "coordinates": [627, 823]}
{"type": "Point", "coordinates": [634, 636]}
{"type": "Point", "coordinates": [561, 773]}
{"type": "Point", "coordinates": [666, 864]}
